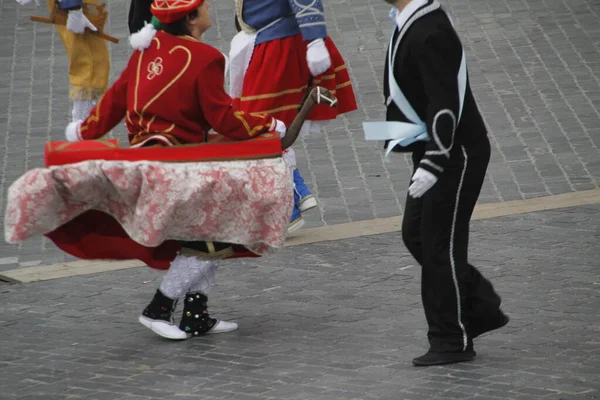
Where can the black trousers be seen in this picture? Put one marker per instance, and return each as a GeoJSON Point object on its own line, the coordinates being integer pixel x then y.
{"type": "Point", "coordinates": [139, 13]}
{"type": "Point", "coordinates": [435, 229]}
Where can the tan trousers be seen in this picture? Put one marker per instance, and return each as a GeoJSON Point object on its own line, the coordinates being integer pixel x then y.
{"type": "Point", "coordinates": [89, 62]}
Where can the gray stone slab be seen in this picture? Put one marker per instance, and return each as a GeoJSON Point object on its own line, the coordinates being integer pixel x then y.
{"type": "Point", "coordinates": [332, 320]}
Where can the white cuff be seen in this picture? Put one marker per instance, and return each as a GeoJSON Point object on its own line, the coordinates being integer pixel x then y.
{"type": "Point", "coordinates": [73, 133]}
{"type": "Point", "coordinates": [280, 127]}
{"type": "Point", "coordinates": [318, 57]}
{"type": "Point", "coordinates": [317, 42]}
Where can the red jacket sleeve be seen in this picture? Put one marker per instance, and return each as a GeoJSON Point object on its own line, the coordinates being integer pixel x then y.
{"type": "Point", "coordinates": [109, 111]}
{"type": "Point", "coordinates": [218, 108]}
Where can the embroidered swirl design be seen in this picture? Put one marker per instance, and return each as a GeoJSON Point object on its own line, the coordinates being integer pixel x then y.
{"type": "Point", "coordinates": [155, 68]}
{"type": "Point", "coordinates": [185, 67]}
{"type": "Point", "coordinates": [164, 89]}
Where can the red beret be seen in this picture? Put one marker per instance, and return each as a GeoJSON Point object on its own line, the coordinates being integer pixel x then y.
{"type": "Point", "coordinates": [167, 11]}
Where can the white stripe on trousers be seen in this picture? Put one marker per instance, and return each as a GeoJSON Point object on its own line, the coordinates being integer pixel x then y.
{"type": "Point", "coordinates": [452, 261]}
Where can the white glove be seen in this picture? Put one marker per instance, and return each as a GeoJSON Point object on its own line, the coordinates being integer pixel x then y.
{"type": "Point", "coordinates": [422, 181]}
{"type": "Point", "coordinates": [72, 133]}
{"type": "Point", "coordinates": [280, 128]}
{"type": "Point", "coordinates": [77, 22]}
{"type": "Point", "coordinates": [317, 57]}
{"type": "Point", "coordinates": [27, 2]}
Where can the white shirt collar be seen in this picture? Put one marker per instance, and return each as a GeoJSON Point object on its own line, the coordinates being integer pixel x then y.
{"type": "Point", "coordinates": [409, 10]}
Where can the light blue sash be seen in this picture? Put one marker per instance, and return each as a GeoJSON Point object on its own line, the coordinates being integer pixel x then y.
{"type": "Point", "coordinates": [406, 133]}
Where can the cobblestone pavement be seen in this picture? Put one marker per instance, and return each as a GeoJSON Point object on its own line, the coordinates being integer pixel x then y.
{"type": "Point", "coordinates": [337, 320]}
{"type": "Point", "coordinates": [334, 320]}
{"type": "Point", "coordinates": [534, 68]}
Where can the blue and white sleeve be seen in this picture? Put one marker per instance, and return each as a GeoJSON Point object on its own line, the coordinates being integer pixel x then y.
{"type": "Point", "coordinates": [311, 18]}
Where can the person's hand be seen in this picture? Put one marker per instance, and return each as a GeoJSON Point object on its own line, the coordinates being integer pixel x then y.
{"type": "Point", "coordinates": [422, 181]}
{"type": "Point", "coordinates": [27, 2]}
{"type": "Point", "coordinates": [317, 57]}
{"type": "Point", "coordinates": [77, 22]}
{"type": "Point", "coordinates": [72, 133]}
{"type": "Point", "coordinates": [280, 128]}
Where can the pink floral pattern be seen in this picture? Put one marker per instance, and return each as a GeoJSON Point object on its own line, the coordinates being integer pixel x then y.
{"type": "Point", "coordinates": [241, 202]}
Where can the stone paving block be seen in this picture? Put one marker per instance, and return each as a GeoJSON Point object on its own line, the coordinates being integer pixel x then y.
{"type": "Point", "coordinates": [501, 369]}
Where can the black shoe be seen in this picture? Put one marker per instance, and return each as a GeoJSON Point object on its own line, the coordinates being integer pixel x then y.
{"type": "Point", "coordinates": [478, 327]}
{"type": "Point", "coordinates": [158, 317]}
{"type": "Point", "coordinates": [436, 358]}
{"type": "Point", "coordinates": [160, 308]}
{"type": "Point", "coordinates": [195, 320]}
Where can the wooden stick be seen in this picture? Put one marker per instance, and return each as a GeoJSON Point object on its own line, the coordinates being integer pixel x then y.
{"type": "Point", "coordinates": [100, 34]}
{"type": "Point", "coordinates": [317, 95]}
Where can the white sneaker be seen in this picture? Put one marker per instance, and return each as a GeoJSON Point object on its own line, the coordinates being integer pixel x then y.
{"type": "Point", "coordinates": [222, 327]}
{"type": "Point", "coordinates": [297, 224]}
{"type": "Point", "coordinates": [164, 328]}
{"type": "Point", "coordinates": [307, 204]}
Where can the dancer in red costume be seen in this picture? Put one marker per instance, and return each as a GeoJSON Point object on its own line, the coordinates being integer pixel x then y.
{"type": "Point", "coordinates": [167, 103]}
{"type": "Point", "coordinates": [282, 50]}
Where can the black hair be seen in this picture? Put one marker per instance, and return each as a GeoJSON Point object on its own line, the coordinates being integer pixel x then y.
{"type": "Point", "coordinates": [179, 27]}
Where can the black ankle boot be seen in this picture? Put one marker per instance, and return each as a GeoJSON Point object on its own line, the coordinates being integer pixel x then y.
{"type": "Point", "coordinates": [195, 320]}
{"type": "Point", "coordinates": [434, 358]}
{"type": "Point", "coordinates": [160, 308]}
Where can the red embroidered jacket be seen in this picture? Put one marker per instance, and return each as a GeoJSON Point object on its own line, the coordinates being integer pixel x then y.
{"type": "Point", "coordinates": [173, 92]}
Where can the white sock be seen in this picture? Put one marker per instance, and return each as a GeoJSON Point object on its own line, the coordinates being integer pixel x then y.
{"type": "Point", "coordinates": [205, 282]}
{"type": "Point", "coordinates": [289, 156]}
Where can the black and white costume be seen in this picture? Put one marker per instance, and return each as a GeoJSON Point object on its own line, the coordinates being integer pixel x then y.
{"type": "Point", "coordinates": [450, 151]}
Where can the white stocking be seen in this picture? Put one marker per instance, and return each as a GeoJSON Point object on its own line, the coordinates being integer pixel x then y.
{"type": "Point", "coordinates": [289, 156]}
{"type": "Point", "coordinates": [188, 274]}
{"type": "Point", "coordinates": [204, 284]}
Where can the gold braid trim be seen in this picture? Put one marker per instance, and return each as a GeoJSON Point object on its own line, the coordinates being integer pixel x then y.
{"type": "Point", "coordinates": [211, 255]}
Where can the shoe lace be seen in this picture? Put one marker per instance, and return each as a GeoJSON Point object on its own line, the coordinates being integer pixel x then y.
{"type": "Point", "coordinates": [296, 189]}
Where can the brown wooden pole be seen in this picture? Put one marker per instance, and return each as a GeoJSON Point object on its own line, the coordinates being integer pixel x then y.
{"type": "Point", "coordinates": [100, 34]}
{"type": "Point", "coordinates": [316, 96]}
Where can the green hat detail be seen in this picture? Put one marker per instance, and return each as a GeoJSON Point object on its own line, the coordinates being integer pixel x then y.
{"type": "Point", "coordinates": [156, 23]}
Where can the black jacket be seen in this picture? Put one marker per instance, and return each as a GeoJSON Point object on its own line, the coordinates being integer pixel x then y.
{"type": "Point", "coordinates": [426, 68]}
